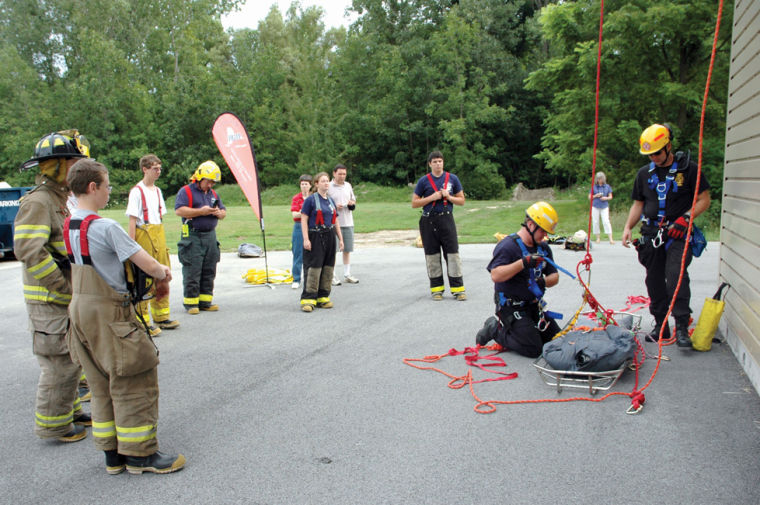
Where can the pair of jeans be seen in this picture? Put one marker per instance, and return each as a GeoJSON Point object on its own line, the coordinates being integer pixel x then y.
{"type": "Point", "coordinates": [297, 246]}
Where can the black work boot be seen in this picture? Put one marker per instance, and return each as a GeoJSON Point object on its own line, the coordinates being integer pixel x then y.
{"type": "Point", "coordinates": [77, 433]}
{"type": "Point", "coordinates": [115, 462]}
{"type": "Point", "coordinates": [83, 418]}
{"type": "Point", "coordinates": [683, 340]}
{"type": "Point", "coordinates": [654, 335]}
{"type": "Point", "coordinates": [155, 463]}
{"type": "Point", "coordinates": [487, 332]}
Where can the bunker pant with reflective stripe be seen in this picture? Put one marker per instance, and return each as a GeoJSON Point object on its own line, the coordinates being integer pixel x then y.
{"type": "Point", "coordinates": [120, 362]}
{"type": "Point", "coordinates": [439, 233]}
{"type": "Point", "coordinates": [318, 266]}
{"type": "Point", "coordinates": [152, 238]}
{"type": "Point", "coordinates": [57, 390]}
{"type": "Point", "coordinates": [199, 253]}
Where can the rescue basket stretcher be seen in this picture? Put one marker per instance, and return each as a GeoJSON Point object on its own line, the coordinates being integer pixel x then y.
{"type": "Point", "coordinates": [592, 381]}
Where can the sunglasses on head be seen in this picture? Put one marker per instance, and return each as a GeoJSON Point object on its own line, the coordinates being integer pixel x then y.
{"type": "Point", "coordinates": [657, 153]}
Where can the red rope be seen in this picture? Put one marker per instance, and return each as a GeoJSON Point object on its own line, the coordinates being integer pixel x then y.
{"type": "Point", "coordinates": [596, 126]}
{"type": "Point", "coordinates": [696, 191]}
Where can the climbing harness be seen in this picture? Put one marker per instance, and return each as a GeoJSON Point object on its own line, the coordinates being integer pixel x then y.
{"type": "Point", "coordinates": [662, 188]}
{"type": "Point", "coordinates": [535, 273]}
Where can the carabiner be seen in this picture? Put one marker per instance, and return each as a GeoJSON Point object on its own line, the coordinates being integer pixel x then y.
{"type": "Point", "coordinates": [657, 241]}
{"type": "Point", "coordinates": [634, 410]}
{"type": "Point", "coordinates": [542, 324]}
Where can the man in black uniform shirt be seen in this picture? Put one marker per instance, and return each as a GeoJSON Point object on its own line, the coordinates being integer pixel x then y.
{"type": "Point", "coordinates": [521, 273]}
{"type": "Point", "coordinates": [662, 194]}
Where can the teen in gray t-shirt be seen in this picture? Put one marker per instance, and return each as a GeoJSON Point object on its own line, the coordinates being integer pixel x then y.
{"type": "Point", "coordinates": [109, 246]}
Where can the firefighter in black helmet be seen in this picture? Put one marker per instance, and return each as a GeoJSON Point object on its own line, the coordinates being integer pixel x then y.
{"type": "Point", "coordinates": [38, 244]}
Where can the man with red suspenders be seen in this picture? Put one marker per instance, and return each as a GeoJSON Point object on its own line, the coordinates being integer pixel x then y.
{"type": "Point", "coordinates": [114, 349]}
{"type": "Point", "coordinates": [146, 208]}
{"type": "Point", "coordinates": [437, 193]}
{"type": "Point", "coordinates": [200, 209]}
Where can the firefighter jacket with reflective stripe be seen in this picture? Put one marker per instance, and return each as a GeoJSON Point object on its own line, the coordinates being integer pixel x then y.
{"type": "Point", "coordinates": [38, 243]}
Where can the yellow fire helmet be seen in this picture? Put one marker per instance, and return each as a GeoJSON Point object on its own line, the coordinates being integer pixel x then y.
{"type": "Point", "coordinates": [654, 138]}
{"type": "Point", "coordinates": [544, 216]}
{"type": "Point", "coordinates": [207, 170]}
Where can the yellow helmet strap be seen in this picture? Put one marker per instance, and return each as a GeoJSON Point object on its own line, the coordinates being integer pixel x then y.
{"type": "Point", "coordinates": [55, 169]}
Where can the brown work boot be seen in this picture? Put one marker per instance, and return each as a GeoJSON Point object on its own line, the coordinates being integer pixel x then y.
{"type": "Point", "coordinates": [209, 308]}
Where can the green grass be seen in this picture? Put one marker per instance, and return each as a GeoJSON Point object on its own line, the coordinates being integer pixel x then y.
{"type": "Point", "coordinates": [382, 208]}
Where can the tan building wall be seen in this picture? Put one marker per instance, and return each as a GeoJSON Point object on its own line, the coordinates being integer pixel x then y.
{"type": "Point", "coordinates": [740, 221]}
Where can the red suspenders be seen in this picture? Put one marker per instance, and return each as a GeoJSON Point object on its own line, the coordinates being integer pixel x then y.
{"type": "Point", "coordinates": [145, 204]}
{"type": "Point", "coordinates": [435, 188]}
{"type": "Point", "coordinates": [190, 195]}
{"type": "Point", "coordinates": [82, 225]}
{"type": "Point", "coordinates": [320, 219]}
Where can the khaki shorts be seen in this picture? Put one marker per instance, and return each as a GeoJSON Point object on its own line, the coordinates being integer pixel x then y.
{"type": "Point", "coordinates": [348, 238]}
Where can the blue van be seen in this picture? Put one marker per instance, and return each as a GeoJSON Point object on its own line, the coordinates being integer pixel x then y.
{"type": "Point", "coordinates": [9, 202]}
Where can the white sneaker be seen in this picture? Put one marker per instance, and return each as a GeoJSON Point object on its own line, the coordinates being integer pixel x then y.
{"type": "Point", "coordinates": [351, 279]}
{"type": "Point", "coordinates": [295, 285]}
{"type": "Point", "coordinates": [336, 281]}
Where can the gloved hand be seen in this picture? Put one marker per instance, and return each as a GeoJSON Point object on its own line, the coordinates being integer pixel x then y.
{"type": "Point", "coordinates": [541, 281]}
{"type": "Point", "coordinates": [532, 260]}
{"type": "Point", "coordinates": [678, 229]}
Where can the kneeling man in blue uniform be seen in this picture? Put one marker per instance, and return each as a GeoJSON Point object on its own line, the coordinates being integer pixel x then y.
{"type": "Point", "coordinates": [521, 273]}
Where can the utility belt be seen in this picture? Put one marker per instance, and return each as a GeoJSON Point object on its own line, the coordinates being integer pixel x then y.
{"type": "Point", "coordinates": [655, 223]}
{"type": "Point", "coordinates": [510, 310]}
{"type": "Point", "coordinates": [187, 229]}
{"type": "Point", "coordinates": [658, 237]}
{"type": "Point", "coordinates": [435, 213]}
{"type": "Point", "coordinates": [509, 303]}
{"type": "Point", "coordinates": [322, 228]}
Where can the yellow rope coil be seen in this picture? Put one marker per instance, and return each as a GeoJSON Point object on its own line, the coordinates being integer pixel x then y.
{"type": "Point", "coordinates": [276, 276]}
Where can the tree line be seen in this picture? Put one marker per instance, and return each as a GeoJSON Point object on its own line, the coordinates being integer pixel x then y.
{"type": "Point", "coordinates": [504, 88]}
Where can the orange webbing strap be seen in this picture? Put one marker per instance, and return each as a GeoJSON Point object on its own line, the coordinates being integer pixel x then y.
{"type": "Point", "coordinates": [472, 358]}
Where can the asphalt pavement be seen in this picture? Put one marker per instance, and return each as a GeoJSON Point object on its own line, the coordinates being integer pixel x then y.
{"type": "Point", "coordinates": [274, 406]}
